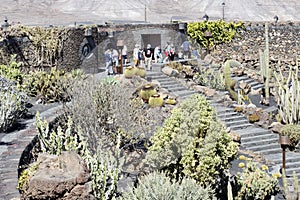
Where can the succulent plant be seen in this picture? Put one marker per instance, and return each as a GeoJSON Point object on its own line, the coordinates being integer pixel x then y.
{"type": "Point", "coordinates": [156, 100]}
{"type": "Point", "coordinates": [130, 72]}
{"type": "Point", "coordinates": [147, 91]}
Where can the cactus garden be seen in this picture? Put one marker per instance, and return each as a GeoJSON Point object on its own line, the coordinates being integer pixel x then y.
{"type": "Point", "coordinates": [134, 137]}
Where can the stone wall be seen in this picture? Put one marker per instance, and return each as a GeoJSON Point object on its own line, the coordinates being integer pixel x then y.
{"type": "Point", "coordinates": [245, 47]}
{"type": "Point", "coordinates": [283, 45]}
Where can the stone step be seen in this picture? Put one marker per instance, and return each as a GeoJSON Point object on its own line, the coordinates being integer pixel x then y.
{"type": "Point", "coordinates": [290, 157]}
{"type": "Point", "coordinates": [169, 84]}
{"type": "Point", "coordinates": [260, 142]}
{"type": "Point", "coordinates": [224, 110]}
{"type": "Point", "coordinates": [256, 87]}
{"type": "Point", "coordinates": [265, 148]}
{"type": "Point", "coordinates": [227, 115]}
{"type": "Point", "coordinates": [249, 80]}
{"type": "Point", "coordinates": [266, 152]}
{"type": "Point", "coordinates": [253, 131]}
{"type": "Point", "coordinates": [237, 122]}
{"type": "Point", "coordinates": [177, 89]}
{"type": "Point", "coordinates": [293, 165]}
{"type": "Point", "coordinates": [265, 136]}
{"type": "Point", "coordinates": [234, 117]}
{"type": "Point", "coordinates": [240, 126]}
{"type": "Point", "coordinates": [240, 78]}
{"type": "Point", "coordinates": [254, 83]}
{"type": "Point", "coordinates": [184, 93]}
{"type": "Point", "coordinates": [163, 79]}
{"type": "Point", "coordinates": [290, 171]}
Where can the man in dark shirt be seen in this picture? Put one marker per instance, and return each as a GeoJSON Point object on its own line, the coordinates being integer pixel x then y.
{"type": "Point", "coordinates": [148, 56]}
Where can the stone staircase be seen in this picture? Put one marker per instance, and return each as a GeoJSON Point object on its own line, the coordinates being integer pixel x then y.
{"type": "Point", "coordinates": [253, 138]}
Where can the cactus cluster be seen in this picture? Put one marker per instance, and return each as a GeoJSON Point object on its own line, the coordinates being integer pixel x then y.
{"type": "Point", "coordinates": [229, 82]}
{"type": "Point", "coordinates": [287, 96]}
{"type": "Point", "coordinates": [12, 104]}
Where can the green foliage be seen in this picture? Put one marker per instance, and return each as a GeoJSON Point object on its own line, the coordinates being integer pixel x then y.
{"type": "Point", "coordinates": [129, 72]}
{"type": "Point", "coordinates": [77, 73]}
{"type": "Point", "coordinates": [287, 96]}
{"type": "Point", "coordinates": [147, 91]}
{"type": "Point", "coordinates": [255, 183]}
{"type": "Point", "coordinates": [156, 101]}
{"type": "Point", "coordinates": [105, 168]}
{"type": "Point", "coordinates": [48, 43]}
{"type": "Point", "coordinates": [210, 78]}
{"type": "Point", "coordinates": [221, 32]}
{"type": "Point", "coordinates": [188, 137]}
{"type": "Point", "coordinates": [140, 71]}
{"type": "Point", "coordinates": [288, 194]}
{"type": "Point", "coordinates": [104, 165]}
{"type": "Point", "coordinates": [229, 82]}
{"type": "Point", "coordinates": [208, 158]}
{"type": "Point", "coordinates": [47, 86]}
{"type": "Point", "coordinates": [158, 186]}
{"type": "Point", "coordinates": [12, 104]}
{"type": "Point", "coordinates": [25, 176]}
{"type": "Point", "coordinates": [12, 71]}
{"type": "Point", "coordinates": [293, 131]}
{"type": "Point", "coordinates": [56, 141]}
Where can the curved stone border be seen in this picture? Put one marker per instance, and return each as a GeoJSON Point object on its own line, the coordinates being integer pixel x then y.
{"type": "Point", "coordinates": [12, 147]}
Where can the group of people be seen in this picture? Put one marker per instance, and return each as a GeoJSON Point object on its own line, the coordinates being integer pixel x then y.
{"type": "Point", "coordinates": [145, 57]}
{"type": "Point", "coordinates": [113, 57]}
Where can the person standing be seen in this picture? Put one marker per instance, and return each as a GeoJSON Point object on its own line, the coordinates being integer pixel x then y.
{"type": "Point", "coordinates": [108, 61]}
{"type": "Point", "coordinates": [115, 59]}
{"type": "Point", "coordinates": [148, 57]}
{"type": "Point", "coordinates": [124, 54]}
{"type": "Point", "coordinates": [186, 49]}
{"type": "Point", "coordinates": [136, 55]}
{"type": "Point", "coordinates": [157, 55]}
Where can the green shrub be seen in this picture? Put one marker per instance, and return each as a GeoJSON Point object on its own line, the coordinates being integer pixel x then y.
{"type": "Point", "coordinates": [207, 158]}
{"type": "Point", "coordinates": [47, 86]}
{"type": "Point", "coordinates": [255, 183]}
{"type": "Point", "coordinates": [210, 78]}
{"type": "Point", "coordinates": [192, 143]}
{"type": "Point", "coordinates": [12, 104]}
{"type": "Point", "coordinates": [12, 71]}
{"type": "Point", "coordinates": [104, 163]}
{"type": "Point", "coordinates": [293, 131]}
{"type": "Point", "coordinates": [158, 186]}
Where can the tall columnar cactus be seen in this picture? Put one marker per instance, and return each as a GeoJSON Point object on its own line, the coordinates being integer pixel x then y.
{"type": "Point", "coordinates": [229, 82]}
{"type": "Point", "coordinates": [265, 70]}
{"type": "Point", "coordinates": [287, 96]}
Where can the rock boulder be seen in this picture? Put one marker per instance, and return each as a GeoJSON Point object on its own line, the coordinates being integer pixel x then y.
{"type": "Point", "coordinates": [59, 177]}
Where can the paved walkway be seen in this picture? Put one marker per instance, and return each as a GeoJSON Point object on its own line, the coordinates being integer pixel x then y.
{"type": "Point", "coordinates": [12, 146]}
